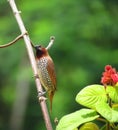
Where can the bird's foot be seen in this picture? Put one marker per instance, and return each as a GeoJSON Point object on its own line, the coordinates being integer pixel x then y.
{"type": "Point", "coordinates": [41, 96]}
{"type": "Point", "coordinates": [40, 93]}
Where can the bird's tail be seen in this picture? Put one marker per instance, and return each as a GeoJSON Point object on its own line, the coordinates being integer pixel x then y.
{"type": "Point", "coordinates": [51, 94]}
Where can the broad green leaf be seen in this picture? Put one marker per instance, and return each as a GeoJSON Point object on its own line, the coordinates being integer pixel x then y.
{"type": "Point", "coordinates": [75, 119]}
{"type": "Point", "coordinates": [113, 93]}
{"type": "Point", "coordinates": [89, 126]}
{"type": "Point", "coordinates": [75, 129]}
{"type": "Point", "coordinates": [107, 112]}
{"type": "Point", "coordinates": [115, 107]}
{"type": "Point", "coordinates": [91, 95]}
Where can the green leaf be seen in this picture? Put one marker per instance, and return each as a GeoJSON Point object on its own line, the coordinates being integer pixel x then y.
{"type": "Point", "coordinates": [89, 126]}
{"type": "Point", "coordinates": [91, 95]}
{"type": "Point", "coordinates": [107, 112]}
{"type": "Point", "coordinates": [115, 107]}
{"type": "Point", "coordinates": [113, 93]}
{"type": "Point", "coordinates": [75, 129]}
{"type": "Point", "coordinates": [75, 119]}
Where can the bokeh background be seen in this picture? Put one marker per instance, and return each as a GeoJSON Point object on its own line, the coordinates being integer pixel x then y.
{"type": "Point", "coordinates": [86, 40]}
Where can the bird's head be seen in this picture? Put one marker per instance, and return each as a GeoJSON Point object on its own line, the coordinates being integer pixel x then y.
{"type": "Point", "coordinates": [40, 51]}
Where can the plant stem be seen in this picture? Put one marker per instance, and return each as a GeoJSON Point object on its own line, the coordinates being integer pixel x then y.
{"type": "Point", "coordinates": [108, 126]}
{"type": "Point", "coordinates": [110, 104]}
{"type": "Point", "coordinates": [12, 42]}
{"type": "Point", "coordinates": [32, 61]}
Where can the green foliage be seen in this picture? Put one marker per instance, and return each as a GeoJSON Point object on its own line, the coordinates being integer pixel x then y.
{"type": "Point", "coordinates": [91, 95]}
{"type": "Point", "coordinates": [95, 97]}
{"type": "Point", "coordinates": [89, 126]}
{"type": "Point", "coordinates": [75, 119]}
{"type": "Point", "coordinates": [100, 99]}
{"type": "Point", "coordinates": [113, 93]}
{"type": "Point", "coordinates": [107, 112]}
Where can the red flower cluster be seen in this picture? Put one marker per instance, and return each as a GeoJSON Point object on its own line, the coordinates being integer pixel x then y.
{"type": "Point", "coordinates": [110, 76]}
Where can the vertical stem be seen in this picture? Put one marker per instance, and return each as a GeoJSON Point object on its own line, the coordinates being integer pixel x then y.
{"type": "Point", "coordinates": [32, 61]}
{"type": "Point", "coordinates": [110, 104]}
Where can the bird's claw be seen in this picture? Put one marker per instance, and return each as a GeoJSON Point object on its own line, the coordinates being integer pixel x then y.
{"type": "Point", "coordinates": [41, 96]}
{"type": "Point", "coordinates": [40, 93]}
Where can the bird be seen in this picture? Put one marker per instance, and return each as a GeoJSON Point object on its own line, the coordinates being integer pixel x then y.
{"type": "Point", "coordinates": [46, 71]}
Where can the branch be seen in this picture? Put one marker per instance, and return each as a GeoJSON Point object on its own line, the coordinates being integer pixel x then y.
{"type": "Point", "coordinates": [12, 42]}
{"type": "Point", "coordinates": [32, 61]}
{"type": "Point", "coordinates": [52, 38]}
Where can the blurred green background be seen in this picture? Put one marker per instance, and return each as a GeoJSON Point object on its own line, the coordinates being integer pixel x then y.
{"type": "Point", "coordinates": [86, 40]}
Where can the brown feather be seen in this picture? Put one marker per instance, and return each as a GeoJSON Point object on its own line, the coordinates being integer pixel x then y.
{"type": "Point", "coordinates": [46, 72]}
{"type": "Point", "coordinates": [51, 71]}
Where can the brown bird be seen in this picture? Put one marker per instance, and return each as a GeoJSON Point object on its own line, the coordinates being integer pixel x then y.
{"type": "Point", "coordinates": [46, 71]}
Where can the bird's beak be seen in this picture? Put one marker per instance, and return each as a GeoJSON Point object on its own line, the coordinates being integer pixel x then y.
{"type": "Point", "coordinates": [37, 47]}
